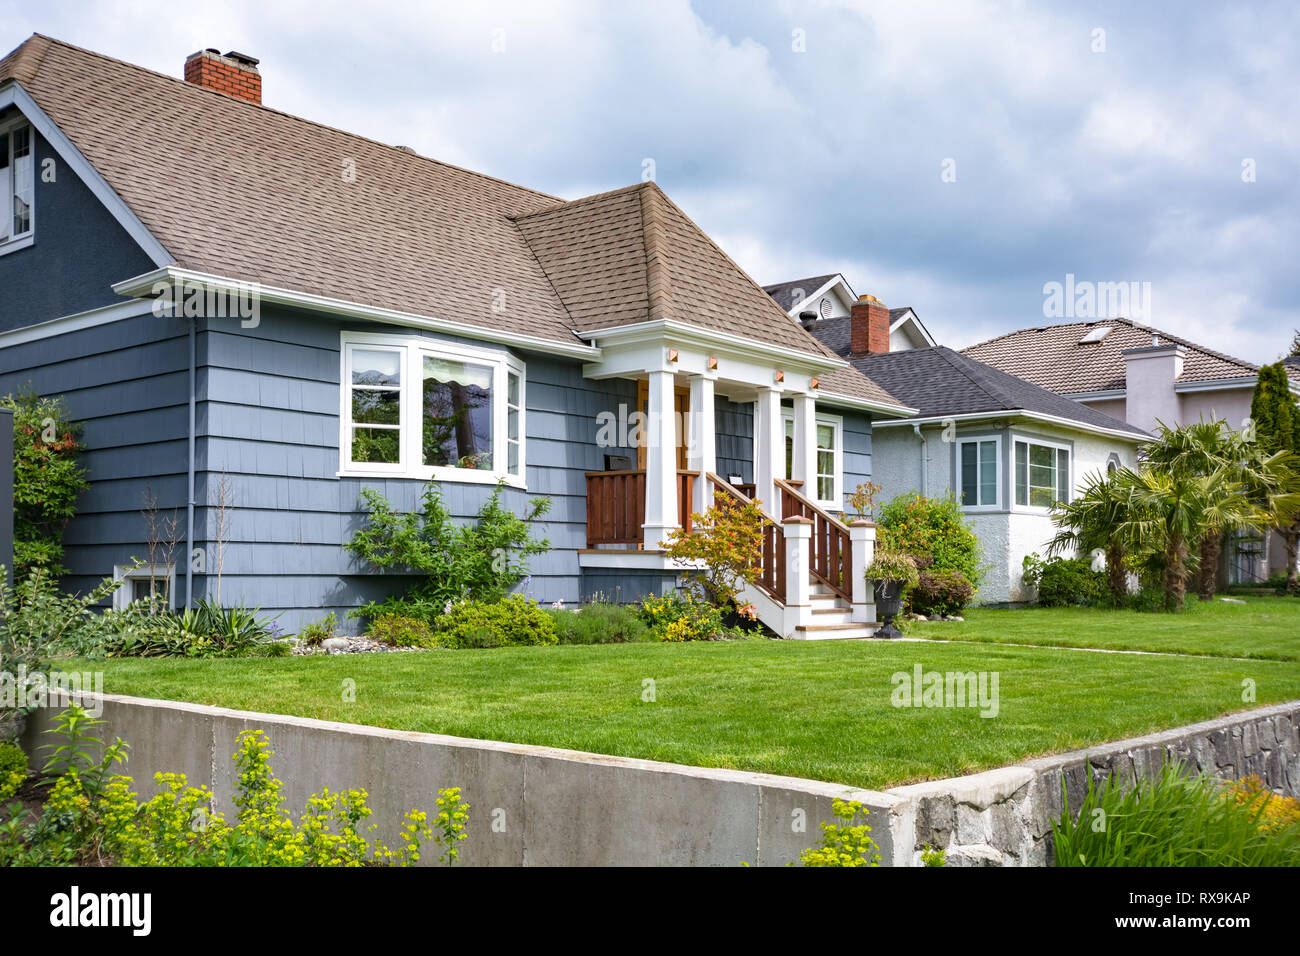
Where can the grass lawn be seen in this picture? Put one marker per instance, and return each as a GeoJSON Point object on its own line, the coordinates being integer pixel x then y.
{"type": "Point", "coordinates": [1264, 627]}
{"type": "Point", "coordinates": [819, 710]}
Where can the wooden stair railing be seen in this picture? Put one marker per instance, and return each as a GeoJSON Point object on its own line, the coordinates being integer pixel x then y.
{"type": "Point", "coordinates": [831, 561]}
{"type": "Point", "coordinates": [771, 560]}
{"type": "Point", "coordinates": [616, 505]}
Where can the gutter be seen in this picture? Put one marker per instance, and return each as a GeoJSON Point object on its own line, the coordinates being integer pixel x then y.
{"type": "Point", "coordinates": [1137, 436]}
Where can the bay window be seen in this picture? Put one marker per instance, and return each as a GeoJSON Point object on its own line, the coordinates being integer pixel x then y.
{"type": "Point", "coordinates": [421, 408]}
{"type": "Point", "coordinates": [1042, 473]}
{"type": "Point", "coordinates": [978, 472]}
{"type": "Point", "coordinates": [17, 163]}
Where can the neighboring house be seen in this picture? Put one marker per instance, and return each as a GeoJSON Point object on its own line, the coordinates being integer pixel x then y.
{"type": "Point", "coordinates": [831, 297]}
{"type": "Point", "coordinates": [352, 315]}
{"type": "Point", "coordinates": [1006, 449]}
{"type": "Point", "coordinates": [1144, 376]}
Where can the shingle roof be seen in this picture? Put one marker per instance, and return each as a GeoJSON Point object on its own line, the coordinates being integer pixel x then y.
{"type": "Point", "coordinates": [938, 381]}
{"type": "Point", "coordinates": [236, 189]}
{"type": "Point", "coordinates": [784, 292]}
{"type": "Point", "coordinates": [1053, 357]}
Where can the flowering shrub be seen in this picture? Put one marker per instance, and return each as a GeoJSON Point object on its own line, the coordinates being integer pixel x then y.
{"type": "Point", "coordinates": [718, 552]}
{"type": "Point", "coordinates": [862, 503]}
{"type": "Point", "coordinates": [1276, 812]}
{"type": "Point", "coordinates": [933, 528]}
{"type": "Point", "coordinates": [678, 617]}
{"type": "Point", "coordinates": [600, 622]}
{"type": "Point", "coordinates": [88, 824]}
{"type": "Point", "coordinates": [847, 843]}
{"type": "Point", "coordinates": [13, 769]}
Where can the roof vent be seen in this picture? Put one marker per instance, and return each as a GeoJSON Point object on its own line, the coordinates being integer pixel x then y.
{"type": "Point", "coordinates": [1095, 335]}
{"type": "Point", "coordinates": [405, 149]}
{"type": "Point", "coordinates": [826, 308]}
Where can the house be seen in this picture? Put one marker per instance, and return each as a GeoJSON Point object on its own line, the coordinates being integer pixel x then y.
{"type": "Point", "coordinates": [1144, 376]}
{"type": "Point", "coordinates": [1005, 448]}
{"type": "Point", "coordinates": [831, 297]}
{"type": "Point", "coordinates": [256, 317]}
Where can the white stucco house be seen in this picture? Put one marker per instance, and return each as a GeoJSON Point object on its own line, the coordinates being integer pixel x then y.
{"type": "Point", "coordinates": [1144, 376]}
{"type": "Point", "coordinates": [1005, 448]}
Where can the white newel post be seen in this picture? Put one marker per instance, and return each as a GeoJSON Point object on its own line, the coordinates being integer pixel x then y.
{"type": "Point", "coordinates": [862, 539]}
{"type": "Point", "coordinates": [798, 586]}
{"type": "Point", "coordinates": [703, 449]}
{"type": "Point", "coordinates": [769, 449]}
{"type": "Point", "coordinates": [804, 466]}
{"type": "Point", "coordinates": [660, 461]}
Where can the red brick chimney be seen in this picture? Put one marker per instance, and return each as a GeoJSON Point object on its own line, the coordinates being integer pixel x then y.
{"type": "Point", "coordinates": [234, 74]}
{"type": "Point", "coordinates": [868, 326]}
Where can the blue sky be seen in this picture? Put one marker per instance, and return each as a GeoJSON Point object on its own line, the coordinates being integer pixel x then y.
{"type": "Point", "coordinates": [812, 137]}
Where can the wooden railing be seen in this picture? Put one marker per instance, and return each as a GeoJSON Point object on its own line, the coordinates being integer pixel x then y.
{"type": "Point", "coordinates": [616, 505]}
{"type": "Point", "coordinates": [771, 559]}
{"type": "Point", "coordinates": [831, 560]}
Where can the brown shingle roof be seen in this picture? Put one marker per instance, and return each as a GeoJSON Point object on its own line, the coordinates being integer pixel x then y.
{"type": "Point", "coordinates": [1053, 358]}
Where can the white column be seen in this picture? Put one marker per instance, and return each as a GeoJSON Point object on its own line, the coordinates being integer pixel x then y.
{"type": "Point", "coordinates": [703, 449]}
{"type": "Point", "coordinates": [798, 585]}
{"type": "Point", "coordinates": [804, 466]}
{"type": "Point", "coordinates": [862, 539]}
{"type": "Point", "coordinates": [660, 461]}
{"type": "Point", "coordinates": [769, 449]}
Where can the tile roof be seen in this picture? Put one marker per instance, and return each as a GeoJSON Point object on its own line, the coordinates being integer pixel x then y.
{"type": "Point", "coordinates": [236, 189]}
{"type": "Point", "coordinates": [1053, 357]}
{"type": "Point", "coordinates": [784, 292]}
{"type": "Point", "coordinates": [939, 381]}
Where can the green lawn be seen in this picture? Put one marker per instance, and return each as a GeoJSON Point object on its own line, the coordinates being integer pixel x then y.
{"type": "Point", "coordinates": [819, 710]}
{"type": "Point", "coordinates": [1265, 627]}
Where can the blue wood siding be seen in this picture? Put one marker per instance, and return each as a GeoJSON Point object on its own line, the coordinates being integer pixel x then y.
{"type": "Point", "coordinates": [857, 448]}
{"type": "Point", "coordinates": [734, 438]}
{"type": "Point", "coordinates": [78, 253]}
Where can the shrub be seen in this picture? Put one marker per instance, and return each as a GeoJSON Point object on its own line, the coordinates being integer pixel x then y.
{"type": "Point", "coordinates": [318, 632]}
{"type": "Point", "coordinates": [889, 565]}
{"type": "Point", "coordinates": [47, 481]}
{"type": "Point", "coordinates": [844, 843]}
{"type": "Point", "coordinates": [682, 617]}
{"type": "Point", "coordinates": [940, 593]}
{"type": "Point", "coordinates": [478, 561]}
{"type": "Point", "coordinates": [722, 542]}
{"type": "Point", "coordinates": [13, 769]}
{"type": "Point", "coordinates": [143, 629]}
{"type": "Point", "coordinates": [933, 527]}
{"type": "Point", "coordinates": [1065, 582]}
{"type": "Point", "coordinates": [1174, 821]}
{"type": "Point", "coordinates": [512, 621]}
{"type": "Point", "coordinates": [401, 631]}
{"type": "Point", "coordinates": [600, 623]}
{"type": "Point", "coordinates": [38, 621]}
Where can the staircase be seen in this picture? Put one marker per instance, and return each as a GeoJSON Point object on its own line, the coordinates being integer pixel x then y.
{"type": "Point", "coordinates": [831, 617]}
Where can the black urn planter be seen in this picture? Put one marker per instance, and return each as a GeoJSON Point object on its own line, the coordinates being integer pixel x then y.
{"type": "Point", "coordinates": [889, 601]}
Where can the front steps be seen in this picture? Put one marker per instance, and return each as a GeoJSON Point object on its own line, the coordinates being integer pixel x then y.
{"type": "Point", "coordinates": [832, 618]}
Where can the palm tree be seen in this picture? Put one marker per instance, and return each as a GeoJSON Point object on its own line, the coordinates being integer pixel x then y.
{"type": "Point", "coordinates": [1273, 483]}
{"type": "Point", "coordinates": [1169, 510]}
{"type": "Point", "coordinates": [1092, 522]}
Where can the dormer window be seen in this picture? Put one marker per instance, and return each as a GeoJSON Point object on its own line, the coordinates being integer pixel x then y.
{"type": "Point", "coordinates": [17, 162]}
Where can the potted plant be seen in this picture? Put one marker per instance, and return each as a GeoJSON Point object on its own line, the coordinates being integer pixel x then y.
{"type": "Point", "coordinates": [892, 574]}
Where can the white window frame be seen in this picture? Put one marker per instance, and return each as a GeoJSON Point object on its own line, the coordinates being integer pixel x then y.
{"type": "Point", "coordinates": [836, 422]}
{"type": "Point", "coordinates": [412, 349]}
{"type": "Point", "coordinates": [128, 574]}
{"type": "Point", "coordinates": [8, 186]}
{"type": "Point", "coordinates": [998, 450]}
{"type": "Point", "coordinates": [1058, 446]}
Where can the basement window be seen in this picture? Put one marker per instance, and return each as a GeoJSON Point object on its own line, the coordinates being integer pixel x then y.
{"type": "Point", "coordinates": [17, 163]}
{"type": "Point", "coordinates": [139, 584]}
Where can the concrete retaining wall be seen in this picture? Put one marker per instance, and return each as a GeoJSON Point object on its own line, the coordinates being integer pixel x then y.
{"type": "Point", "coordinates": [540, 806]}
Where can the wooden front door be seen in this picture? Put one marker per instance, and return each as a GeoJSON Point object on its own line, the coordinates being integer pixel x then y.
{"type": "Point", "coordinates": [682, 408]}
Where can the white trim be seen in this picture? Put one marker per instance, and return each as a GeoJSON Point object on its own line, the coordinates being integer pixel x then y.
{"type": "Point", "coordinates": [129, 574]}
{"type": "Point", "coordinates": [1218, 384]}
{"type": "Point", "coordinates": [14, 95]}
{"type": "Point", "coordinates": [631, 560]}
{"type": "Point", "coordinates": [998, 450]}
{"type": "Point", "coordinates": [1137, 439]}
{"type": "Point", "coordinates": [411, 350]}
{"type": "Point", "coordinates": [723, 342]}
{"type": "Point", "coordinates": [142, 285]}
{"type": "Point", "coordinates": [836, 422]}
{"type": "Point", "coordinates": [26, 238]}
{"type": "Point", "coordinates": [864, 404]}
{"type": "Point", "coordinates": [915, 320]}
{"type": "Point", "coordinates": [1059, 446]}
{"type": "Point", "coordinates": [76, 322]}
{"type": "Point", "coordinates": [793, 311]}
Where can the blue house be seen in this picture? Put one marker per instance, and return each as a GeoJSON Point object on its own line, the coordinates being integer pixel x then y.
{"type": "Point", "coordinates": [256, 317]}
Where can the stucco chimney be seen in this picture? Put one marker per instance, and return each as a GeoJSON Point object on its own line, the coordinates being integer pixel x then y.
{"type": "Point", "coordinates": [868, 326]}
{"type": "Point", "coordinates": [234, 74]}
{"type": "Point", "coordinates": [1150, 375]}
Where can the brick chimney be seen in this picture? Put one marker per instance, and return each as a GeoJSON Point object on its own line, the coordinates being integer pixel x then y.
{"type": "Point", "coordinates": [234, 74]}
{"type": "Point", "coordinates": [868, 326]}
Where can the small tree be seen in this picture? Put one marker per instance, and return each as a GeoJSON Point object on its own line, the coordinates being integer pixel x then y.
{"type": "Point", "coordinates": [47, 481]}
{"type": "Point", "coordinates": [719, 551]}
{"type": "Point", "coordinates": [1093, 522]}
{"type": "Point", "coordinates": [1276, 417]}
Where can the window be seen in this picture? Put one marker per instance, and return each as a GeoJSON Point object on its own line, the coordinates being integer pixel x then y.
{"type": "Point", "coordinates": [143, 581]}
{"type": "Point", "coordinates": [978, 466]}
{"type": "Point", "coordinates": [826, 482]}
{"type": "Point", "coordinates": [421, 408]}
{"type": "Point", "coordinates": [17, 163]}
{"type": "Point", "coordinates": [1042, 474]}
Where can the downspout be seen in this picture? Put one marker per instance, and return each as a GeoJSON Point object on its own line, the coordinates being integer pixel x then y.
{"type": "Point", "coordinates": [925, 460]}
{"type": "Point", "coordinates": [189, 523]}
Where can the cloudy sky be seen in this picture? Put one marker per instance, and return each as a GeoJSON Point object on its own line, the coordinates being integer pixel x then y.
{"type": "Point", "coordinates": [953, 156]}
